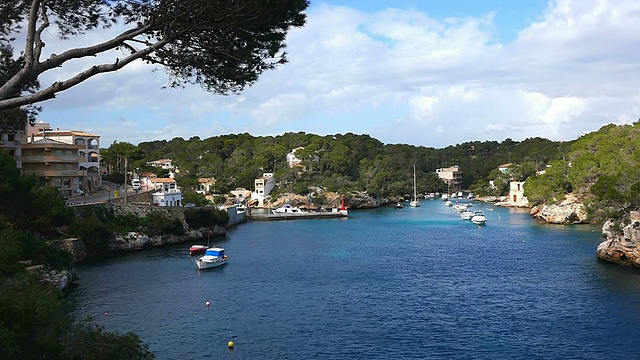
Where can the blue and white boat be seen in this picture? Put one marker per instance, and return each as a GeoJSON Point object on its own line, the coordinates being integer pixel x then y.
{"type": "Point", "coordinates": [479, 218]}
{"type": "Point", "coordinates": [213, 257]}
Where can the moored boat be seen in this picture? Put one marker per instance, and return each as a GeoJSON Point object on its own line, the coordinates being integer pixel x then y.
{"type": "Point", "coordinates": [479, 218]}
{"type": "Point", "coordinates": [287, 209]}
{"type": "Point", "coordinates": [399, 205]}
{"type": "Point", "coordinates": [213, 257]}
{"type": "Point", "coordinates": [466, 215]}
{"type": "Point", "coordinates": [197, 249]}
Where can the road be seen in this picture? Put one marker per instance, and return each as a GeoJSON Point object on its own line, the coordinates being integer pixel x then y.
{"type": "Point", "coordinates": [106, 194]}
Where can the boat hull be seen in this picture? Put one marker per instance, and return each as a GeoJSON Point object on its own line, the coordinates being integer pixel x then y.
{"type": "Point", "coordinates": [210, 264]}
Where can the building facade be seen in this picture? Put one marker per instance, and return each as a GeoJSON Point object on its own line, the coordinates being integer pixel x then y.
{"type": "Point", "coordinates": [88, 151]}
{"type": "Point", "coordinates": [263, 187]}
{"type": "Point", "coordinates": [452, 176]}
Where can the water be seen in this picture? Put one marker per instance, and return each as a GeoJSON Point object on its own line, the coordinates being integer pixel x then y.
{"type": "Point", "coordinates": [414, 283]}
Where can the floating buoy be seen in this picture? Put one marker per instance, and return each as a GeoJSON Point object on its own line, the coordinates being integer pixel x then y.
{"type": "Point", "coordinates": [207, 304]}
{"type": "Point", "coordinates": [106, 313]}
{"type": "Point", "coordinates": [230, 344]}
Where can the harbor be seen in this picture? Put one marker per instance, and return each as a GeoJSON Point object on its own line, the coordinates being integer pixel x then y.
{"type": "Point", "coordinates": [415, 283]}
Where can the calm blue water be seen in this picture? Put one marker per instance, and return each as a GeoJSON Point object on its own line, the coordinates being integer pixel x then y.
{"type": "Point", "coordinates": [383, 284]}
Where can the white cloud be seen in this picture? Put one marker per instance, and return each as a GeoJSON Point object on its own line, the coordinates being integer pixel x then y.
{"type": "Point", "coordinates": [571, 71]}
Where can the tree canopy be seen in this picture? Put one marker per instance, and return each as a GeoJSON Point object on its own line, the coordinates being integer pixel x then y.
{"type": "Point", "coordinates": [221, 45]}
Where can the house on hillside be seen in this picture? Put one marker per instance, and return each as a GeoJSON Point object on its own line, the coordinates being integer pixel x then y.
{"type": "Point", "coordinates": [505, 168]}
{"type": "Point", "coordinates": [292, 159]}
{"type": "Point", "coordinates": [452, 176]}
{"type": "Point", "coordinates": [161, 163]}
{"type": "Point", "coordinates": [263, 187]}
{"type": "Point", "coordinates": [206, 186]}
{"type": "Point", "coordinates": [166, 192]}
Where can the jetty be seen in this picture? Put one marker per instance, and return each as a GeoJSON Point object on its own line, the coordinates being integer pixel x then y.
{"type": "Point", "coordinates": [299, 216]}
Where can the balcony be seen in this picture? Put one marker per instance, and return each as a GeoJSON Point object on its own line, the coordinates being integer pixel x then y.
{"type": "Point", "coordinates": [53, 173]}
{"type": "Point", "coordinates": [50, 159]}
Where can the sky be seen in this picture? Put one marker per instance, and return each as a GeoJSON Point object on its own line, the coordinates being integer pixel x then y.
{"type": "Point", "coordinates": [424, 73]}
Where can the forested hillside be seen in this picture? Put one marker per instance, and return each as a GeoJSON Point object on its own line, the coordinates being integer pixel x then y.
{"type": "Point", "coordinates": [341, 162]}
{"type": "Point", "coordinates": [603, 167]}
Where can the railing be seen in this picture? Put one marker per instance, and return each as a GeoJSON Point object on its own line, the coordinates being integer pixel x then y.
{"type": "Point", "coordinates": [54, 173]}
{"type": "Point", "coordinates": [50, 158]}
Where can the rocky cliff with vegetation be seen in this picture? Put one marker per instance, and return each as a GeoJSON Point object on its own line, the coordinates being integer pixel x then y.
{"type": "Point", "coordinates": [622, 245]}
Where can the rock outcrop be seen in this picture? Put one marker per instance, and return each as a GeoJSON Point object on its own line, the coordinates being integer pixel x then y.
{"type": "Point", "coordinates": [570, 211]}
{"type": "Point", "coordinates": [137, 241]}
{"type": "Point", "coordinates": [621, 247]}
{"type": "Point", "coordinates": [359, 200]}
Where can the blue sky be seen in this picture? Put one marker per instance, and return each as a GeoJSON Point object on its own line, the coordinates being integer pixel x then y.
{"type": "Point", "coordinates": [431, 73]}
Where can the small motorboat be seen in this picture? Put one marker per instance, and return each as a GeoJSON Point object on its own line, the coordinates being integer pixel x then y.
{"type": "Point", "coordinates": [287, 209]}
{"type": "Point", "coordinates": [197, 249]}
{"type": "Point", "coordinates": [399, 205]}
{"type": "Point", "coordinates": [213, 257]}
{"type": "Point", "coordinates": [479, 218]}
{"type": "Point", "coordinates": [466, 215]}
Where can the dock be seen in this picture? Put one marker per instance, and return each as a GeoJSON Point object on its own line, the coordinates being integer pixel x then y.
{"type": "Point", "coordinates": [299, 216]}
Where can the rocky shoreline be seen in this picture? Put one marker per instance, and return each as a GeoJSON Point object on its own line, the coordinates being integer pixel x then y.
{"type": "Point", "coordinates": [622, 246]}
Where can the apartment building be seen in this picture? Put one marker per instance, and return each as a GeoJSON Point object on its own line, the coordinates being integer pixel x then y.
{"type": "Point", "coordinates": [88, 151]}
{"type": "Point", "coordinates": [452, 176]}
{"type": "Point", "coordinates": [55, 163]}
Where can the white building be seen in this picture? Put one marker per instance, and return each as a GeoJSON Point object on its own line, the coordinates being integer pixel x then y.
{"type": "Point", "coordinates": [165, 164]}
{"type": "Point", "coordinates": [263, 186]}
{"type": "Point", "coordinates": [516, 193]}
{"type": "Point", "coordinates": [166, 192]}
{"type": "Point", "coordinates": [292, 159]}
{"type": "Point", "coordinates": [206, 185]}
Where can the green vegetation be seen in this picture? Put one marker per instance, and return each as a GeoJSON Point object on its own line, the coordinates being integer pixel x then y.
{"type": "Point", "coordinates": [341, 163]}
{"type": "Point", "coordinates": [603, 167]}
{"type": "Point", "coordinates": [35, 321]}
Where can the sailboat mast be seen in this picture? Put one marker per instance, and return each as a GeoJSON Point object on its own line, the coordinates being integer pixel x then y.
{"type": "Point", "coordinates": [415, 195]}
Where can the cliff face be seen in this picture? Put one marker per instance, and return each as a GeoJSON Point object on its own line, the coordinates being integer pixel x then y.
{"type": "Point", "coordinates": [570, 211]}
{"type": "Point", "coordinates": [622, 248]}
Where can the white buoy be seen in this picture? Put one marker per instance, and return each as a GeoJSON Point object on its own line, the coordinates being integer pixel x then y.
{"type": "Point", "coordinates": [207, 304]}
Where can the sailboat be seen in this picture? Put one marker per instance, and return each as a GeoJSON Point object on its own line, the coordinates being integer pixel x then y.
{"type": "Point", "coordinates": [415, 202]}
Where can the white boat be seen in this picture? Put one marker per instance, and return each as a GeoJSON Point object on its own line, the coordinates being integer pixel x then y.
{"type": "Point", "coordinates": [213, 257]}
{"type": "Point", "coordinates": [444, 197]}
{"type": "Point", "coordinates": [399, 205]}
{"type": "Point", "coordinates": [479, 218]}
{"type": "Point", "coordinates": [287, 209]}
{"type": "Point", "coordinates": [448, 203]}
{"type": "Point", "coordinates": [466, 215]}
{"type": "Point", "coordinates": [415, 202]}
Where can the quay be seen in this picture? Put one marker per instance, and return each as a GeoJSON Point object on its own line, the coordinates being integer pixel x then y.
{"type": "Point", "coordinates": [299, 216]}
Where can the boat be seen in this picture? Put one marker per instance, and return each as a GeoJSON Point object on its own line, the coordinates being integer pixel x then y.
{"type": "Point", "coordinates": [415, 202]}
{"type": "Point", "coordinates": [399, 205]}
{"type": "Point", "coordinates": [197, 249]}
{"type": "Point", "coordinates": [466, 215]}
{"type": "Point", "coordinates": [448, 203]}
{"type": "Point", "coordinates": [479, 218]}
{"type": "Point", "coordinates": [287, 209]}
{"type": "Point", "coordinates": [213, 257]}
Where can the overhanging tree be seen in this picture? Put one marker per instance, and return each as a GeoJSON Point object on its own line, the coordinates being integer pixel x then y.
{"type": "Point", "coordinates": [222, 45]}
